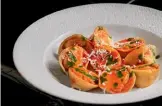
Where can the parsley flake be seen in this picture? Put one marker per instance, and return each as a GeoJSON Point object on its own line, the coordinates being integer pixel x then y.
{"type": "Point", "coordinates": [119, 74]}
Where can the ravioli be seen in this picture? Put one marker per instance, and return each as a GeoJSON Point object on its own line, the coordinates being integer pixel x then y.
{"type": "Point", "coordinates": [119, 80]}
{"type": "Point", "coordinates": [82, 79]}
{"type": "Point", "coordinates": [95, 62]}
{"type": "Point", "coordinates": [73, 56]}
{"type": "Point", "coordinates": [141, 55]}
{"type": "Point", "coordinates": [127, 45]}
{"type": "Point", "coordinates": [146, 74]}
{"type": "Point", "coordinates": [101, 37]}
{"type": "Point", "coordinates": [76, 39]}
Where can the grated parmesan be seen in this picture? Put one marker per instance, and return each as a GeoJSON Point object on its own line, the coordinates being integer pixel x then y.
{"type": "Point", "coordinates": [104, 90]}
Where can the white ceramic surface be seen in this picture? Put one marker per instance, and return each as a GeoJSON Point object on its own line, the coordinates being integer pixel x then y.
{"type": "Point", "coordinates": [35, 52]}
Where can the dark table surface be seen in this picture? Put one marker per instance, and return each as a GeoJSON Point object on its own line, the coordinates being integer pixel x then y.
{"type": "Point", "coordinates": [18, 15]}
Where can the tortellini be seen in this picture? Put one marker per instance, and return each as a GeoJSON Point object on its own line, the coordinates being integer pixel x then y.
{"type": "Point", "coordinates": [95, 62]}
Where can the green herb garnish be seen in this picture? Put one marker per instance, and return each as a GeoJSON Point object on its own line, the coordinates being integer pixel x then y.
{"type": "Point", "coordinates": [104, 74]}
{"type": "Point", "coordinates": [119, 74]}
{"type": "Point", "coordinates": [102, 79]}
{"type": "Point", "coordinates": [123, 68]}
{"type": "Point", "coordinates": [157, 57]}
{"type": "Point", "coordinates": [110, 37]}
{"type": "Point", "coordinates": [132, 42]}
{"type": "Point", "coordinates": [130, 39]}
{"type": "Point", "coordinates": [70, 64]}
{"type": "Point", "coordinates": [131, 74]}
{"type": "Point", "coordinates": [73, 48]}
{"type": "Point", "coordinates": [110, 60]}
{"type": "Point", "coordinates": [130, 46]}
{"type": "Point", "coordinates": [83, 38]}
{"type": "Point", "coordinates": [86, 74]}
{"type": "Point", "coordinates": [100, 28]}
{"type": "Point", "coordinates": [72, 57]}
{"type": "Point", "coordinates": [108, 70]}
{"type": "Point", "coordinates": [140, 56]}
{"type": "Point", "coordinates": [115, 84]}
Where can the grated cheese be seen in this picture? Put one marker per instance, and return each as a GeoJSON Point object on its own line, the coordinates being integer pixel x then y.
{"type": "Point", "coordinates": [134, 66]}
{"type": "Point", "coordinates": [103, 84]}
{"type": "Point", "coordinates": [99, 72]}
{"type": "Point", "coordinates": [90, 73]}
{"type": "Point", "coordinates": [104, 90]}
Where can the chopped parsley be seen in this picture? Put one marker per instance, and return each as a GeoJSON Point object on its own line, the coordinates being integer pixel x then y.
{"type": "Point", "coordinates": [130, 74]}
{"type": "Point", "coordinates": [132, 42]}
{"type": "Point", "coordinates": [123, 68]}
{"type": "Point", "coordinates": [119, 74]}
{"type": "Point", "coordinates": [130, 39]}
{"type": "Point", "coordinates": [70, 64]}
{"type": "Point", "coordinates": [73, 48]}
{"type": "Point", "coordinates": [72, 57]}
{"type": "Point", "coordinates": [86, 74]}
{"type": "Point", "coordinates": [100, 28]}
{"type": "Point", "coordinates": [157, 57]}
{"type": "Point", "coordinates": [140, 56]}
{"type": "Point", "coordinates": [110, 60]}
{"type": "Point", "coordinates": [83, 38]}
{"type": "Point", "coordinates": [130, 46]}
{"type": "Point", "coordinates": [108, 70]}
{"type": "Point", "coordinates": [102, 79]}
{"type": "Point", "coordinates": [110, 37]}
{"type": "Point", "coordinates": [104, 74]}
{"type": "Point", "coordinates": [115, 84]}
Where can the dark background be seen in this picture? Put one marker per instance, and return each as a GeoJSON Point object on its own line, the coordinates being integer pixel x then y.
{"type": "Point", "coordinates": [16, 17]}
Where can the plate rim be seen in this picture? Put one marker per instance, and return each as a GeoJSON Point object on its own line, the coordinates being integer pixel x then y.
{"type": "Point", "coordinates": [25, 77]}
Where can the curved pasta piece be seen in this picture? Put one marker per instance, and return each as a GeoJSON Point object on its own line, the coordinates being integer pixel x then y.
{"type": "Point", "coordinates": [73, 56]}
{"type": "Point", "coordinates": [76, 39]}
{"type": "Point", "coordinates": [141, 55]}
{"type": "Point", "coordinates": [146, 74]}
{"type": "Point", "coordinates": [82, 79]}
{"type": "Point", "coordinates": [127, 45]}
{"type": "Point", "coordinates": [117, 81]}
{"type": "Point", "coordinates": [101, 37]}
{"type": "Point", "coordinates": [104, 58]}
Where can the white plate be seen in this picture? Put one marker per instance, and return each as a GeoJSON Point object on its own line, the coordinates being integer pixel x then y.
{"type": "Point", "coordinates": [35, 51]}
